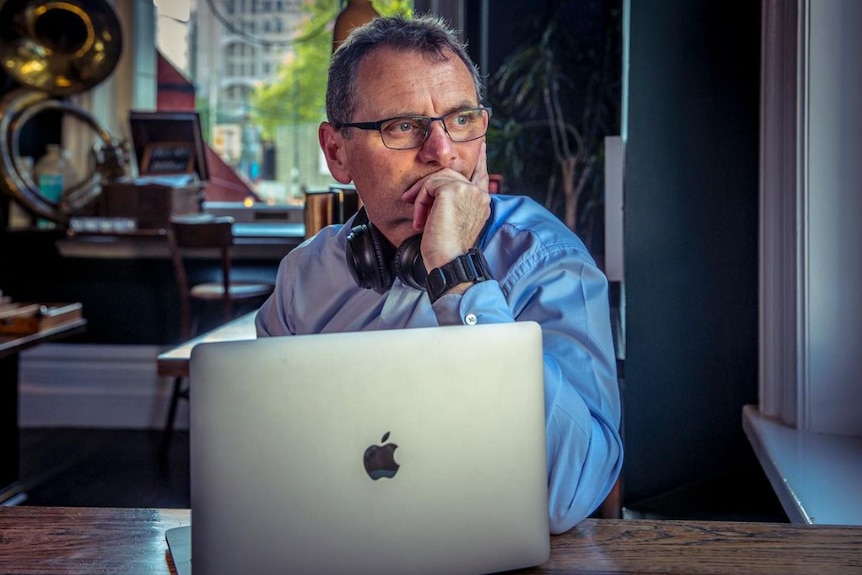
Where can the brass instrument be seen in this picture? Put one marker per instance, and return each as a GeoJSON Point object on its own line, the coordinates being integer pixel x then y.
{"type": "Point", "coordinates": [55, 49]}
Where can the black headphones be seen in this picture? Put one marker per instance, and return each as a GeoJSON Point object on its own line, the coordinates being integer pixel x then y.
{"type": "Point", "coordinates": [374, 263]}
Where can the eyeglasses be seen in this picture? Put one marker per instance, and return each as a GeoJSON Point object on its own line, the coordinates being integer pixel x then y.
{"type": "Point", "coordinates": [407, 132]}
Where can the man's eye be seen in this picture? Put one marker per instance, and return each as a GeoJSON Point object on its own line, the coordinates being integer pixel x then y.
{"type": "Point", "coordinates": [463, 119]}
{"type": "Point", "coordinates": [403, 126]}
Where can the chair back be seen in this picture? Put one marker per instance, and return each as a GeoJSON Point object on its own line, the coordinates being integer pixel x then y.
{"type": "Point", "coordinates": [193, 236]}
{"type": "Point", "coordinates": [203, 232]}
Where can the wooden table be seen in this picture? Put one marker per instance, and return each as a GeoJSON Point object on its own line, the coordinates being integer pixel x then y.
{"type": "Point", "coordinates": [78, 541]}
{"type": "Point", "coordinates": [10, 347]}
{"type": "Point", "coordinates": [175, 361]}
{"type": "Point", "coordinates": [253, 241]}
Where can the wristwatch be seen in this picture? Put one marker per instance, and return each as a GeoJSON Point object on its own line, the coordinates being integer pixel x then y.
{"type": "Point", "coordinates": [470, 267]}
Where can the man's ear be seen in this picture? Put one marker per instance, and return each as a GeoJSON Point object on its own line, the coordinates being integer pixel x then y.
{"type": "Point", "coordinates": [332, 144]}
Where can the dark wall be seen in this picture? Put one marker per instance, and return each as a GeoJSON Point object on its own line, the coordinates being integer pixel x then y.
{"type": "Point", "coordinates": [131, 301]}
{"type": "Point", "coordinates": [691, 239]}
{"type": "Point", "coordinates": [125, 301]}
{"type": "Point", "coordinates": [506, 29]}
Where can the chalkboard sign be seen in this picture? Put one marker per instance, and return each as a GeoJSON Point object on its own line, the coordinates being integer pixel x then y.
{"type": "Point", "coordinates": [168, 143]}
{"type": "Point", "coordinates": [161, 158]}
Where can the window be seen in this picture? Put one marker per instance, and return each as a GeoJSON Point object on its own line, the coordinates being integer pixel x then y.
{"type": "Point", "coordinates": [227, 49]}
{"type": "Point", "coordinates": [808, 263]}
{"type": "Point", "coordinates": [810, 365]}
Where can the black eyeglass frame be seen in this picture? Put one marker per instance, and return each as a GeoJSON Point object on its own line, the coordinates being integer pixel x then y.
{"type": "Point", "coordinates": [430, 119]}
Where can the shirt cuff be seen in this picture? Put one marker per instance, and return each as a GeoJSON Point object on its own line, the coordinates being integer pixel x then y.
{"type": "Point", "coordinates": [484, 302]}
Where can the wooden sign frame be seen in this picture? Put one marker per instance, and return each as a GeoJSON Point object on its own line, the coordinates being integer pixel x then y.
{"type": "Point", "coordinates": [175, 135]}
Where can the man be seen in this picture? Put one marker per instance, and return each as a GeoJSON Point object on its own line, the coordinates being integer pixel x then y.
{"type": "Point", "coordinates": [432, 247]}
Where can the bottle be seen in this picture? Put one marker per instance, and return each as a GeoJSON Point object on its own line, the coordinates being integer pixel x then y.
{"type": "Point", "coordinates": [53, 174]}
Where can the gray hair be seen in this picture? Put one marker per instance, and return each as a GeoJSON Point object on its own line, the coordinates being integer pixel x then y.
{"type": "Point", "coordinates": [426, 34]}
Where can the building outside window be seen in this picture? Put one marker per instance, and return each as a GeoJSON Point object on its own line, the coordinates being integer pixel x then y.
{"type": "Point", "coordinates": [228, 49]}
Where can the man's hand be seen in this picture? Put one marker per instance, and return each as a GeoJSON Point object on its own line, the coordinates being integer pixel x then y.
{"type": "Point", "coordinates": [450, 211]}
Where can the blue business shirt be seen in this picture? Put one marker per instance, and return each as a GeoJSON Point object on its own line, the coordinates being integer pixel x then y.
{"type": "Point", "coordinates": [542, 273]}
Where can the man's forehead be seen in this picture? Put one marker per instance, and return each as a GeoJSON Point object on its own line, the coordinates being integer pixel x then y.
{"type": "Point", "coordinates": [393, 78]}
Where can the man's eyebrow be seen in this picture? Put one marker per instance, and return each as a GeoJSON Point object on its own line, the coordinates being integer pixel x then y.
{"type": "Point", "coordinates": [467, 105]}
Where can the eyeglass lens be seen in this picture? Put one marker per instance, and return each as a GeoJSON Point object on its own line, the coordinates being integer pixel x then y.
{"type": "Point", "coordinates": [410, 132]}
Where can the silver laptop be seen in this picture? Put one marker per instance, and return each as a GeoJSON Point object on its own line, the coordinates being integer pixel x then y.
{"type": "Point", "coordinates": [383, 452]}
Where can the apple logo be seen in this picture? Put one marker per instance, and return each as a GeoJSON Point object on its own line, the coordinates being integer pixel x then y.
{"type": "Point", "coordinates": [380, 461]}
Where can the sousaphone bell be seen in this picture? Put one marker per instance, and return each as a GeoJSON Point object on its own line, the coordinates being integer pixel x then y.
{"type": "Point", "coordinates": [54, 49]}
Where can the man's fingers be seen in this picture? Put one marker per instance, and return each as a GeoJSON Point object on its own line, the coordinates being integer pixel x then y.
{"type": "Point", "coordinates": [421, 208]}
{"type": "Point", "coordinates": [480, 174]}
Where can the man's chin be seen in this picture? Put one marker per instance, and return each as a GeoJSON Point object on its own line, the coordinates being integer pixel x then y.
{"type": "Point", "coordinates": [397, 232]}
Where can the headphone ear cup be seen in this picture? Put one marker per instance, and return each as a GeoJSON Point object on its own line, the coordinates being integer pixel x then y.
{"type": "Point", "coordinates": [409, 266]}
{"type": "Point", "coordinates": [366, 259]}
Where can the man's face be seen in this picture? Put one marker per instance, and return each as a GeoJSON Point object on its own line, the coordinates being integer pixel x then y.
{"type": "Point", "coordinates": [393, 84]}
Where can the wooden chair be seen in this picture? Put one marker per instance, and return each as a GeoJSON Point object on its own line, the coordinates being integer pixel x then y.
{"type": "Point", "coordinates": [191, 237]}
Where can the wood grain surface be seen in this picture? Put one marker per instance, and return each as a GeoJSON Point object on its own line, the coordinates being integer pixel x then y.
{"type": "Point", "coordinates": [78, 541]}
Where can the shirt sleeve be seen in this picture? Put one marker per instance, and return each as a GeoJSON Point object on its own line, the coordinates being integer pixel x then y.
{"type": "Point", "coordinates": [563, 290]}
{"type": "Point", "coordinates": [271, 317]}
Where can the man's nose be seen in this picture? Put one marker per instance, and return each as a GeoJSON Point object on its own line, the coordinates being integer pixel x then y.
{"type": "Point", "coordinates": [438, 145]}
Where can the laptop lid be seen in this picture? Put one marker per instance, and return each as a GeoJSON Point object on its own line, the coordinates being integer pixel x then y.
{"type": "Point", "coordinates": [384, 452]}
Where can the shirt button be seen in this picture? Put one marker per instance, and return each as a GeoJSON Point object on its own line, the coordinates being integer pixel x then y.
{"type": "Point", "coordinates": [471, 319]}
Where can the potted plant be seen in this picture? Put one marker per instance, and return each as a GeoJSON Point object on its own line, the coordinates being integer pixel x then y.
{"type": "Point", "coordinates": [555, 98]}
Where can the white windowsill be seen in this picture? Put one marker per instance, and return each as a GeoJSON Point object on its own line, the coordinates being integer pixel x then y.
{"type": "Point", "coordinates": [817, 477]}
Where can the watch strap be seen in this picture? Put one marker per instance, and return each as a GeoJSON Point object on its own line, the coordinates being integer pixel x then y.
{"type": "Point", "coordinates": [469, 267]}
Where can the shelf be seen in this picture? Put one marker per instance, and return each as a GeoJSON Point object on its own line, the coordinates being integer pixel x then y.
{"type": "Point", "coordinates": [815, 475]}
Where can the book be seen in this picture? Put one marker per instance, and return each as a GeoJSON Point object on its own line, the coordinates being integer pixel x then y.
{"type": "Point", "coordinates": [27, 318]}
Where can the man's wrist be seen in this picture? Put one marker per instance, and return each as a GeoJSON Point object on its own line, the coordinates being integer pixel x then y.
{"type": "Point", "coordinates": [463, 271]}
